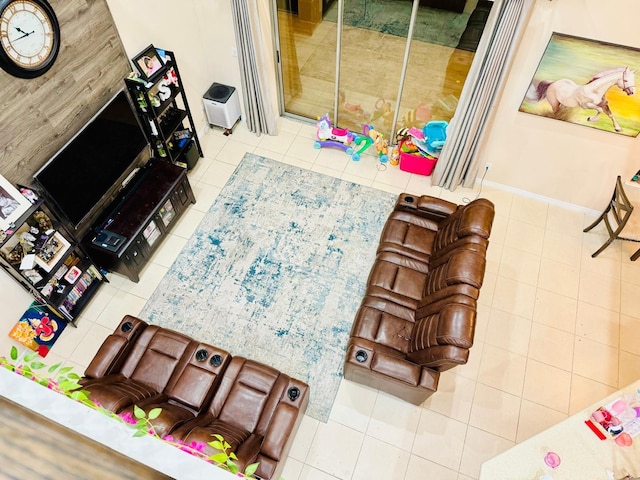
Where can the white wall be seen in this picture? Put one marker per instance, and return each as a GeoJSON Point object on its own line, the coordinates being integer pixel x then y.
{"type": "Point", "coordinates": [199, 32]}
{"type": "Point", "coordinates": [556, 159]}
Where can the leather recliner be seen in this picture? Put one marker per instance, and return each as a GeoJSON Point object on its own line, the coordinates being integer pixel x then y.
{"type": "Point", "coordinates": [417, 317]}
{"type": "Point", "coordinates": [202, 390]}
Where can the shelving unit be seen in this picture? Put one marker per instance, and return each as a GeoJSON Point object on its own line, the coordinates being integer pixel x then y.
{"type": "Point", "coordinates": [162, 107]}
{"type": "Point", "coordinates": [42, 256]}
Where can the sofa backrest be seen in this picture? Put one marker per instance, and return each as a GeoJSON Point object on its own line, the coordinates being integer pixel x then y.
{"type": "Point", "coordinates": [156, 355]}
{"type": "Point", "coordinates": [468, 227]}
{"type": "Point", "coordinates": [443, 334]}
{"type": "Point", "coordinates": [462, 271]}
{"type": "Point", "coordinates": [248, 395]}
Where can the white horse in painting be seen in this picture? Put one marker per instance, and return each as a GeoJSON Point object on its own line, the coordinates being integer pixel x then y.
{"type": "Point", "coordinates": [590, 95]}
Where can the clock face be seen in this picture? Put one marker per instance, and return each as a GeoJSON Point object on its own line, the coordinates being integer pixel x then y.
{"type": "Point", "coordinates": [29, 37]}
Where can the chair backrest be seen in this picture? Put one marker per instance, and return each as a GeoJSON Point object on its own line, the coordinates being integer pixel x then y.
{"type": "Point", "coordinates": [156, 355]}
{"type": "Point", "coordinates": [470, 224]}
{"type": "Point", "coordinates": [248, 395]}
{"type": "Point", "coordinates": [618, 211]}
{"type": "Point", "coordinates": [443, 333]}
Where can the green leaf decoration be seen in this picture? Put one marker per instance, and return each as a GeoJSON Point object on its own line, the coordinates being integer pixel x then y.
{"type": "Point", "coordinates": [74, 376]}
{"type": "Point", "coordinates": [64, 370]}
{"type": "Point", "coordinates": [154, 413]}
{"type": "Point", "coordinates": [218, 436]}
{"type": "Point", "coordinates": [68, 385]}
{"type": "Point", "coordinates": [14, 353]}
{"type": "Point", "coordinates": [233, 468]}
{"type": "Point", "coordinates": [37, 365]}
{"type": "Point", "coordinates": [53, 368]}
{"type": "Point", "coordinates": [251, 469]}
{"type": "Point", "coordinates": [220, 457]}
{"type": "Point", "coordinates": [30, 356]}
{"type": "Point", "coordinates": [140, 433]}
{"type": "Point", "coordinates": [138, 412]}
{"type": "Point", "coordinates": [80, 395]}
{"type": "Point", "coordinates": [216, 444]}
{"type": "Point", "coordinates": [233, 456]}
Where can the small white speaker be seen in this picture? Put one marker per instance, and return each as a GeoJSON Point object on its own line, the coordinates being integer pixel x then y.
{"type": "Point", "coordinates": [222, 105]}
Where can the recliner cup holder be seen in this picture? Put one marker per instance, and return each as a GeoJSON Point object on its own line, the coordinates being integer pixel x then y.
{"type": "Point", "coordinates": [361, 356]}
{"type": "Point", "coordinates": [201, 355]}
{"type": "Point", "coordinates": [126, 327]}
{"type": "Point", "coordinates": [216, 360]}
{"type": "Point", "coordinates": [293, 393]}
{"type": "Point", "coordinates": [408, 199]}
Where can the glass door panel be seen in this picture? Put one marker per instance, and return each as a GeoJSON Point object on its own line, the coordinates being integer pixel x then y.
{"type": "Point", "coordinates": [369, 87]}
{"type": "Point", "coordinates": [442, 49]}
{"type": "Point", "coordinates": [307, 45]}
{"type": "Point", "coordinates": [372, 49]}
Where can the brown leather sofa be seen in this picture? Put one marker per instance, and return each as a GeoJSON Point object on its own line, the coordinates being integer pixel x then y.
{"type": "Point", "coordinates": [202, 390]}
{"type": "Point", "coordinates": [417, 317]}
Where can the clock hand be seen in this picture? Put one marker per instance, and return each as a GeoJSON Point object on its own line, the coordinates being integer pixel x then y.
{"type": "Point", "coordinates": [24, 34]}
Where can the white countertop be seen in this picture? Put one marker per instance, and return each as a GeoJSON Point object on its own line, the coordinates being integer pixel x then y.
{"type": "Point", "coordinates": [583, 455]}
{"type": "Point", "coordinates": [99, 427]}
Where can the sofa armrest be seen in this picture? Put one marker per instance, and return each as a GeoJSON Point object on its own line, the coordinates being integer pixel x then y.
{"type": "Point", "coordinates": [116, 347]}
{"type": "Point", "coordinates": [425, 205]}
{"type": "Point", "coordinates": [285, 420]}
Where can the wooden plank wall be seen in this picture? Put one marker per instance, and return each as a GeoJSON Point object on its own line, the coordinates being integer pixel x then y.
{"type": "Point", "coordinates": [38, 116]}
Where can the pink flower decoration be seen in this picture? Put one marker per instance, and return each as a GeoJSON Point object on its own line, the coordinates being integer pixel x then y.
{"type": "Point", "coordinates": [127, 418]}
{"type": "Point", "coordinates": [198, 446]}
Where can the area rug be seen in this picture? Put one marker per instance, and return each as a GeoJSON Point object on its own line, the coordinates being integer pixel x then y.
{"type": "Point", "coordinates": [276, 271]}
{"type": "Point", "coordinates": [433, 25]}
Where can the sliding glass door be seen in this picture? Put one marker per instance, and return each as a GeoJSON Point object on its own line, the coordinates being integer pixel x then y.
{"type": "Point", "coordinates": [386, 63]}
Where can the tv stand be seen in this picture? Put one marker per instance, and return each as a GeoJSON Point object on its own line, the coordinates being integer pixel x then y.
{"type": "Point", "coordinates": [136, 224]}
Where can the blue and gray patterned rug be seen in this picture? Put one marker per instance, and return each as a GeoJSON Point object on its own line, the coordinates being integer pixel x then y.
{"type": "Point", "coordinates": [276, 271]}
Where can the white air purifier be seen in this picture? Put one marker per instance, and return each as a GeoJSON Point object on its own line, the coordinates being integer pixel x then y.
{"type": "Point", "coordinates": [222, 105]}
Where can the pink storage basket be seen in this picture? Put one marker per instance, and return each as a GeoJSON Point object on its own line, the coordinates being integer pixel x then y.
{"type": "Point", "coordinates": [417, 163]}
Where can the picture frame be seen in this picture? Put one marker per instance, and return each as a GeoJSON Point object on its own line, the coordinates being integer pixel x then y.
{"type": "Point", "coordinates": [12, 204]}
{"type": "Point", "coordinates": [148, 62]}
{"type": "Point", "coordinates": [576, 73]}
{"type": "Point", "coordinates": [55, 247]}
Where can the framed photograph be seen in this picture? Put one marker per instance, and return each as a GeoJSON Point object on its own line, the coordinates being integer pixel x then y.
{"type": "Point", "coordinates": [148, 62]}
{"type": "Point", "coordinates": [52, 251]}
{"type": "Point", "coordinates": [586, 82]}
{"type": "Point", "coordinates": [12, 204]}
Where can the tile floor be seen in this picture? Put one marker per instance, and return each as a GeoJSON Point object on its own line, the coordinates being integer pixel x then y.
{"type": "Point", "coordinates": [557, 330]}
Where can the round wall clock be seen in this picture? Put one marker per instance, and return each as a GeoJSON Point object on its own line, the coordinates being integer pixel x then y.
{"type": "Point", "coordinates": [29, 37]}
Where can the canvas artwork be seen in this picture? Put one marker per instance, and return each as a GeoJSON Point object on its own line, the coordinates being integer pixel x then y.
{"type": "Point", "coordinates": [38, 328]}
{"type": "Point", "coordinates": [586, 82]}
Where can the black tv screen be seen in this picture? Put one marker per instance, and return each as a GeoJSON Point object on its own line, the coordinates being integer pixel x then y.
{"type": "Point", "coordinates": [95, 162]}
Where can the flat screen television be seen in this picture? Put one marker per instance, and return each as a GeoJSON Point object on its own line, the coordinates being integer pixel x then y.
{"type": "Point", "coordinates": [88, 171]}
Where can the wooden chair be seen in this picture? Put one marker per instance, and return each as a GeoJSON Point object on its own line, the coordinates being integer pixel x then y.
{"type": "Point", "coordinates": [617, 218]}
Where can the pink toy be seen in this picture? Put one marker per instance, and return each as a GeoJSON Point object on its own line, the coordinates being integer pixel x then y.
{"type": "Point", "coordinates": [329, 136]}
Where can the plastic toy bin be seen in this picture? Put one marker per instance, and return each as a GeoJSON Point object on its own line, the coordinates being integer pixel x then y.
{"type": "Point", "coordinates": [417, 163]}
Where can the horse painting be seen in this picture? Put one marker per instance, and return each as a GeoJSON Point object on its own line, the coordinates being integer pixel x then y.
{"type": "Point", "coordinates": [591, 96]}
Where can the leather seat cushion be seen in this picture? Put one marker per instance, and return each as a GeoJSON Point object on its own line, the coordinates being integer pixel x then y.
{"type": "Point", "coordinates": [116, 392]}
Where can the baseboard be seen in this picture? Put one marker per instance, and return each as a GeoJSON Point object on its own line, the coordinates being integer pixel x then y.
{"type": "Point", "coordinates": [552, 201]}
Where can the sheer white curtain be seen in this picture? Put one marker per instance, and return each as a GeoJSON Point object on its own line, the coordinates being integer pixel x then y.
{"type": "Point", "coordinates": [252, 23]}
{"type": "Point", "coordinates": [458, 162]}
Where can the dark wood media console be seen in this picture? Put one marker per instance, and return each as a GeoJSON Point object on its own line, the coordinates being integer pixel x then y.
{"type": "Point", "coordinates": [132, 230]}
